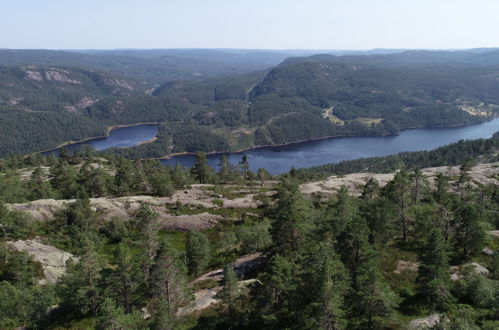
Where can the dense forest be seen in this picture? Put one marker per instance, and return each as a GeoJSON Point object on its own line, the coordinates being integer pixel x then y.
{"type": "Point", "coordinates": [300, 99]}
{"type": "Point", "coordinates": [395, 252]}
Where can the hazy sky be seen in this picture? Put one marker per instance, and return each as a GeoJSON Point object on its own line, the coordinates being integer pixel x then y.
{"type": "Point", "coordinates": [270, 24]}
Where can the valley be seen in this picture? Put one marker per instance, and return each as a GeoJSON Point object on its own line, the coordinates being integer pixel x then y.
{"type": "Point", "coordinates": [334, 191]}
{"type": "Point", "coordinates": [372, 95]}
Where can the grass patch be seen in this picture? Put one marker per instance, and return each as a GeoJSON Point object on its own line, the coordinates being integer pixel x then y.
{"type": "Point", "coordinates": [228, 192]}
{"type": "Point", "coordinates": [177, 239]}
{"type": "Point", "coordinates": [368, 121]}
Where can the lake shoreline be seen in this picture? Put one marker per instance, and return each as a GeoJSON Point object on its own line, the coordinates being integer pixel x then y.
{"type": "Point", "coordinates": [109, 129]}
{"type": "Point", "coordinates": [252, 148]}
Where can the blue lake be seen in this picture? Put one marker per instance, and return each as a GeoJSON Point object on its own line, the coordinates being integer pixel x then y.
{"type": "Point", "coordinates": [120, 137]}
{"type": "Point", "coordinates": [278, 160]}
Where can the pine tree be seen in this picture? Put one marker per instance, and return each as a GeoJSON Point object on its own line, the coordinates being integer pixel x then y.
{"type": "Point", "coordinates": [95, 181]}
{"type": "Point", "coordinates": [169, 277]}
{"type": "Point", "coordinates": [341, 213]}
{"type": "Point", "coordinates": [373, 297]}
{"type": "Point", "coordinates": [376, 211]}
{"type": "Point", "coordinates": [200, 170]}
{"type": "Point", "coordinates": [230, 288]}
{"type": "Point", "coordinates": [244, 165]}
{"type": "Point", "coordinates": [332, 286]}
{"type": "Point", "coordinates": [293, 221]}
{"type": "Point", "coordinates": [433, 274]}
{"type": "Point", "coordinates": [79, 287]}
{"type": "Point", "coordinates": [197, 252]}
{"type": "Point", "coordinates": [470, 237]}
{"type": "Point", "coordinates": [40, 188]}
{"type": "Point", "coordinates": [444, 200]}
{"type": "Point", "coordinates": [225, 172]}
{"type": "Point", "coordinates": [123, 280]}
{"type": "Point", "coordinates": [419, 185]}
{"type": "Point", "coordinates": [146, 220]}
{"type": "Point", "coordinates": [65, 180]}
{"type": "Point", "coordinates": [126, 178]}
{"type": "Point", "coordinates": [116, 318]}
{"type": "Point", "coordinates": [399, 192]}
{"type": "Point", "coordinates": [180, 176]}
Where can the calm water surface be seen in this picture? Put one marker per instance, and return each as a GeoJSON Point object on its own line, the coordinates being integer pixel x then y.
{"type": "Point", "coordinates": [278, 160]}
{"type": "Point", "coordinates": [120, 137]}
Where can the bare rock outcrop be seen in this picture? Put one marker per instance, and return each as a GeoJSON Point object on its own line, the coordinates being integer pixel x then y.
{"type": "Point", "coordinates": [124, 207]}
{"type": "Point", "coordinates": [403, 265]}
{"type": "Point", "coordinates": [425, 322]}
{"type": "Point", "coordinates": [59, 76]}
{"type": "Point", "coordinates": [202, 300]}
{"type": "Point", "coordinates": [483, 173]}
{"type": "Point", "coordinates": [242, 266]}
{"type": "Point", "coordinates": [477, 268]}
{"type": "Point", "coordinates": [188, 222]}
{"type": "Point", "coordinates": [352, 182]}
{"type": "Point", "coordinates": [52, 260]}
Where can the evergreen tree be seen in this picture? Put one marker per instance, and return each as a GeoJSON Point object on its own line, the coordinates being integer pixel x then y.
{"type": "Point", "coordinates": [169, 277]}
{"type": "Point", "coordinates": [146, 220]}
{"type": "Point", "coordinates": [372, 297]}
{"type": "Point", "coordinates": [180, 176]}
{"type": "Point", "coordinates": [39, 186]}
{"type": "Point", "coordinates": [79, 287]}
{"type": "Point", "coordinates": [419, 185]}
{"type": "Point", "coordinates": [433, 274]}
{"type": "Point", "coordinates": [332, 286]}
{"type": "Point", "coordinates": [377, 212]}
{"type": "Point", "coordinates": [292, 221]}
{"type": "Point", "coordinates": [126, 178]}
{"type": "Point", "coordinates": [65, 180]}
{"type": "Point", "coordinates": [230, 288]}
{"type": "Point", "coordinates": [400, 194]}
{"type": "Point", "coordinates": [244, 166]}
{"type": "Point", "coordinates": [281, 283]}
{"type": "Point", "coordinates": [197, 252]}
{"type": "Point", "coordinates": [463, 183]}
{"type": "Point", "coordinates": [341, 212]}
{"type": "Point", "coordinates": [225, 172]}
{"type": "Point", "coordinates": [470, 236]}
{"type": "Point", "coordinates": [123, 281]}
{"type": "Point", "coordinates": [201, 170]}
{"type": "Point", "coordinates": [95, 181]}
{"type": "Point", "coordinates": [444, 201]}
{"type": "Point", "coordinates": [161, 183]}
{"type": "Point", "coordinates": [116, 318]}
{"type": "Point", "coordinates": [76, 225]}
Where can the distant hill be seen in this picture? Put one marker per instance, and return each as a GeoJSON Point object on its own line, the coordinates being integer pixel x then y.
{"type": "Point", "coordinates": [409, 89]}
{"type": "Point", "coordinates": [150, 66]}
{"type": "Point", "coordinates": [59, 88]}
{"type": "Point", "coordinates": [231, 106]}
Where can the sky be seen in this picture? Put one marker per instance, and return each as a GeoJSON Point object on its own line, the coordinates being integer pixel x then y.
{"type": "Point", "coordinates": [252, 24]}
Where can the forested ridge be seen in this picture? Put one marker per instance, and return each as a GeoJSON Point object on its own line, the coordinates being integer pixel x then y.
{"type": "Point", "coordinates": [414, 247]}
{"type": "Point", "coordinates": [452, 154]}
{"type": "Point", "coordinates": [303, 98]}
